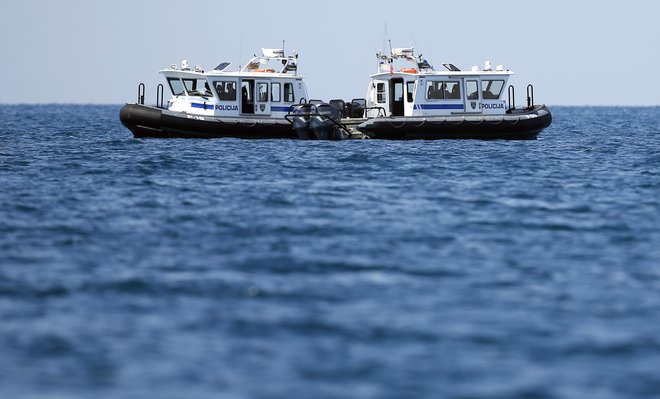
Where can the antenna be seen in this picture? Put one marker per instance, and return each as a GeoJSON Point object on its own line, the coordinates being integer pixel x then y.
{"type": "Point", "coordinates": [413, 37]}
{"type": "Point", "coordinates": [389, 40]}
{"type": "Point", "coordinates": [283, 47]}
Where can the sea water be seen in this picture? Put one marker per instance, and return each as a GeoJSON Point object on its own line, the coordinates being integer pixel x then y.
{"type": "Point", "coordinates": [227, 268]}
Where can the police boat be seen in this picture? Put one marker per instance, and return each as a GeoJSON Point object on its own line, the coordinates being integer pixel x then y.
{"type": "Point", "coordinates": [249, 103]}
{"type": "Point", "coordinates": [415, 101]}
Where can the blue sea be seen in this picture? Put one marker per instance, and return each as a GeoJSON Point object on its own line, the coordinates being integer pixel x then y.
{"type": "Point", "coordinates": [227, 268]}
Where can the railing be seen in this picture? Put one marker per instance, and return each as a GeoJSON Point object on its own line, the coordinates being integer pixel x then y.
{"type": "Point", "coordinates": [159, 96]}
{"type": "Point", "coordinates": [160, 91]}
{"type": "Point", "coordinates": [512, 97]}
{"type": "Point", "coordinates": [381, 111]}
{"type": "Point", "coordinates": [140, 94]}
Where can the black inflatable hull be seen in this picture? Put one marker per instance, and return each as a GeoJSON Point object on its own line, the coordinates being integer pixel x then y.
{"type": "Point", "coordinates": [516, 125]}
{"type": "Point", "coordinates": [146, 121]}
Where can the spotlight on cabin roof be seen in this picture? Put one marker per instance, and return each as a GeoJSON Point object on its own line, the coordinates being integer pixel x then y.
{"type": "Point", "coordinates": [272, 52]}
{"type": "Point", "coordinates": [403, 52]}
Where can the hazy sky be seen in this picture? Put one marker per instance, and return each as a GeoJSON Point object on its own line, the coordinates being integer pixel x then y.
{"type": "Point", "coordinates": [577, 52]}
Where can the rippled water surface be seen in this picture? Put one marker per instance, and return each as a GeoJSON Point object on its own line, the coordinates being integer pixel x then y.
{"type": "Point", "coordinates": [147, 268]}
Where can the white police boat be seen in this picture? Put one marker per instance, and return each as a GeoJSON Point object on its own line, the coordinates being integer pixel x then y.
{"type": "Point", "coordinates": [415, 101]}
{"type": "Point", "coordinates": [249, 103]}
{"type": "Point", "coordinates": [409, 99]}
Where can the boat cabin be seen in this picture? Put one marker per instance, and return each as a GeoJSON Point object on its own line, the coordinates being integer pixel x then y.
{"type": "Point", "coordinates": [406, 85]}
{"type": "Point", "coordinates": [267, 86]}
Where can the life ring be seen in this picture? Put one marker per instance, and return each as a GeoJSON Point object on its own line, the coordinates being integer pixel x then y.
{"type": "Point", "coordinates": [408, 70]}
{"type": "Point", "coordinates": [265, 70]}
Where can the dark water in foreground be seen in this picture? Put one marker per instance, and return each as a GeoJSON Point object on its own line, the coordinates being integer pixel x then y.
{"type": "Point", "coordinates": [364, 269]}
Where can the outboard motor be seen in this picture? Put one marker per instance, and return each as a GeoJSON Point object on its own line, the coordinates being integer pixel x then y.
{"type": "Point", "coordinates": [300, 119]}
{"type": "Point", "coordinates": [358, 106]}
{"type": "Point", "coordinates": [324, 124]}
{"type": "Point", "coordinates": [341, 106]}
{"type": "Point", "coordinates": [319, 121]}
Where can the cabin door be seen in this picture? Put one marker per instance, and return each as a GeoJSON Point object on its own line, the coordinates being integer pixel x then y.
{"type": "Point", "coordinates": [247, 96]}
{"type": "Point", "coordinates": [397, 91]}
{"type": "Point", "coordinates": [472, 96]}
{"type": "Point", "coordinates": [262, 98]}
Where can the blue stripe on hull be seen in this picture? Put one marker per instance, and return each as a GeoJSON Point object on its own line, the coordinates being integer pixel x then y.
{"type": "Point", "coordinates": [280, 109]}
{"type": "Point", "coordinates": [202, 106]}
{"type": "Point", "coordinates": [211, 106]}
{"type": "Point", "coordinates": [439, 106]}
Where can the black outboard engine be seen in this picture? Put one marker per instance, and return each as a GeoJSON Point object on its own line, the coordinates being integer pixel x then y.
{"type": "Point", "coordinates": [300, 119]}
{"type": "Point", "coordinates": [317, 121]}
{"type": "Point", "coordinates": [358, 106]}
{"type": "Point", "coordinates": [325, 123]}
{"type": "Point", "coordinates": [341, 106]}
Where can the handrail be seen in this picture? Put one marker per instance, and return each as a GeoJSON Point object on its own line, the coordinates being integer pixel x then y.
{"type": "Point", "coordinates": [140, 94]}
{"type": "Point", "coordinates": [159, 96]}
{"type": "Point", "coordinates": [380, 110]}
{"type": "Point", "coordinates": [512, 97]}
{"type": "Point", "coordinates": [530, 96]}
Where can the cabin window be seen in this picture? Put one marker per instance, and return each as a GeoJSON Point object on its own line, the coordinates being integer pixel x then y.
{"type": "Point", "coordinates": [491, 89]}
{"type": "Point", "coordinates": [380, 92]}
{"type": "Point", "coordinates": [443, 90]}
{"type": "Point", "coordinates": [398, 91]}
{"type": "Point", "coordinates": [275, 92]}
{"type": "Point", "coordinates": [226, 90]}
{"type": "Point", "coordinates": [262, 92]}
{"type": "Point", "coordinates": [288, 93]}
{"type": "Point", "coordinates": [176, 86]}
{"type": "Point", "coordinates": [197, 87]}
{"type": "Point", "coordinates": [410, 87]}
{"type": "Point", "coordinates": [472, 89]}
